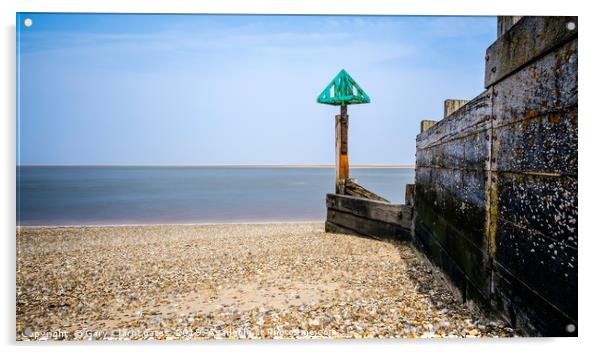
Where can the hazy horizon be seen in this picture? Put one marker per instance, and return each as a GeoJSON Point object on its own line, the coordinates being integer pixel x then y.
{"type": "Point", "coordinates": [224, 165]}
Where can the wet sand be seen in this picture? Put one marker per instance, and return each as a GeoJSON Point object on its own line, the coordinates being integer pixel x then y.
{"type": "Point", "coordinates": [287, 280]}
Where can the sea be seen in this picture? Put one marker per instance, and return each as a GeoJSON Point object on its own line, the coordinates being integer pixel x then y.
{"type": "Point", "coordinates": [121, 195]}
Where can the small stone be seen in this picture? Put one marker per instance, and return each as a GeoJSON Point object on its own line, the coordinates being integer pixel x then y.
{"type": "Point", "coordinates": [473, 332]}
{"type": "Point", "coordinates": [314, 322]}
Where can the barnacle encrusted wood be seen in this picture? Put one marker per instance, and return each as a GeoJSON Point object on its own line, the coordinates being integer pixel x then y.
{"type": "Point", "coordinates": [496, 202]}
{"type": "Point", "coordinates": [343, 91]}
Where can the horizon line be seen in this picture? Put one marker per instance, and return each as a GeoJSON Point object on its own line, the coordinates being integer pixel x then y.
{"type": "Point", "coordinates": [308, 165]}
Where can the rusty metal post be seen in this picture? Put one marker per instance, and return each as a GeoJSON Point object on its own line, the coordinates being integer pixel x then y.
{"type": "Point", "coordinates": [341, 146]}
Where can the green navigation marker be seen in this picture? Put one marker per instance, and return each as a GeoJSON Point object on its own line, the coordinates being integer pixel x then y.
{"type": "Point", "coordinates": [343, 91]}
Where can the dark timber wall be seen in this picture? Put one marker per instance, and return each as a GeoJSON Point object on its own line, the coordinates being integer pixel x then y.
{"type": "Point", "coordinates": [496, 182]}
{"type": "Point", "coordinates": [366, 217]}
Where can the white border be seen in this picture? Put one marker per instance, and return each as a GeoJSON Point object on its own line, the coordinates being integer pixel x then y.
{"type": "Point", "coordinates": [589, 126]}
{"type": "Point", "coordinates": [367, 7]}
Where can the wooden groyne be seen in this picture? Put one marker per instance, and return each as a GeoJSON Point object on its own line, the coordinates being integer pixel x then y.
{"type": "Point", "coordinates": [495, 200]}
{"type": "Point", "coordinates": [366, 217]}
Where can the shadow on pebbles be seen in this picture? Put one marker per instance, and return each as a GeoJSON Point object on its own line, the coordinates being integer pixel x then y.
{"type": "Point", "coordinates": [230, 281]}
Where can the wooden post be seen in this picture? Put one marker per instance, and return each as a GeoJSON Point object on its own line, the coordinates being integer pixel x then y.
{"type": "Point", "coordinates": [410, 190]}
{"type": "Point", "coordinates": [342, 91]}
{"type": "Point", "coordinates": [450, 106]}
{"type": "Point", "coordinates": [427, 124]}
{"type": "Point", "coordinates": [504, 23]}
{"type": "Point", "coordinates": [341, 146]}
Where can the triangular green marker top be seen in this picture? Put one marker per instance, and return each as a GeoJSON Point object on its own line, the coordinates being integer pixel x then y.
{"type": "Point", "coordinates": [343, 91]}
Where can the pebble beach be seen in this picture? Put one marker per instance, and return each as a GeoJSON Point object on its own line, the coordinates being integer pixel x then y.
{"type": "Point", "coordinates": [230, 281]}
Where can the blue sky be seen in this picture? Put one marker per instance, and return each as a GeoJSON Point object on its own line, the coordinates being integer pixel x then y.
{"type": "Point", "coordinates": [216, 89]}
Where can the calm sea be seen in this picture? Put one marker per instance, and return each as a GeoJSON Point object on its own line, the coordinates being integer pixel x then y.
{"type": "Point", "coordinates": [157, 195]}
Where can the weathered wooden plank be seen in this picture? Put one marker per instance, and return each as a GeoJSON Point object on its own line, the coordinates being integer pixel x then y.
{"type": "Point", "coordinates": [456, 196]}
{"type": "Point", "coordinates": [544, 204]}
{"type": "Point", "coordinates": [338, 229]}
{"type": "Point", "coordinates": [547, 144]}
{"type": "Point", "coordinates": [410, 188]}
{"type": "Point", "coordinates": [504, 23]}
{"type": "Point", "coordinates": [546, 266]}
{"type": "Point", "coordinates": [368, 227]}
{"type": "Point", "coordinates": [451, 154]}
{"type": "Point", "coordinates": [547, 86]}
{"type": "Point", "coordinates": [450, 208]}
{"type": "Point", "coordinates": [355, 190]}
{"type": "Point", "coordinates": [371, 209]}
{"type": "Point", "coordinates": [527, 40]}
{"type": "Point", "coordinates": [525, 309]}
{"type": "Point", "coordinates": [454, 272]}
{"type": "Point", "coordinates": [474, 116]}
{"type": "Point", "coordinates": [472, 260]}
{"type": "Point", "coordinates": [440, 258]}
{"type": "Point", "coordinates": [424, 157]}
{"type": "Point", "coordinates": [477, 151]}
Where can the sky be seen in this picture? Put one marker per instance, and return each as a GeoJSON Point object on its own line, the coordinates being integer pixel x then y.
{"type": "Point", "coordinates": [235, 89]}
